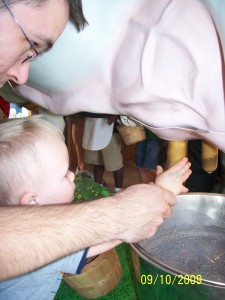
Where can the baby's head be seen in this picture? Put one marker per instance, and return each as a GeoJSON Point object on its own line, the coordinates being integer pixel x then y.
{"type": "Point", "coordinates": [34, 163]}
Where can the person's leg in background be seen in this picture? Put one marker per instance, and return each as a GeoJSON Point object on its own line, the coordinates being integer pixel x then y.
{"type": "Point", "coordinates": [77, 124]}
{"type": "Point", "coordinates": [99, 173]}
{"type": "Point", "coordinates": [148, 156]}
{"type": "Point", "coordinates": [199, 181]}
{"type": "Point", "coordinates": [94, 158]}
{"type": "Point", "coordinates": [118, 179]}
{"type": "Point", "coordinates": [77, 137]}
{"type": "Point", "coordinates": [113, 160]}
{"type": "Point", "coordinates": [147, 175]}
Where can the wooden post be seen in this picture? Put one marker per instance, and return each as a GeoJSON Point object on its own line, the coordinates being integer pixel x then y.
{"type": "Point", "coordinates": [176, 151]}
{"type": "Point", "coordinates": [209, 157]}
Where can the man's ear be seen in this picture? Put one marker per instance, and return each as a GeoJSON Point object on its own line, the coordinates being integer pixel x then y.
{"type": "Point", "coordinates": [28, 198]}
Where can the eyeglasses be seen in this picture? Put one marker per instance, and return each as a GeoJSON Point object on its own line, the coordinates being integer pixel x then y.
{"type": "Point", "coordinates": [36, 53]}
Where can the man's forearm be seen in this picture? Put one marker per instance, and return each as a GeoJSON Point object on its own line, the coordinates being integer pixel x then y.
{"type": "Point", "coordinates": [31, 237]}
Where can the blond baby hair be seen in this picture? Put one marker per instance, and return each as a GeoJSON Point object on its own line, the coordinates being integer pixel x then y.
{"type": "Point", "coordinates": [19, 166]}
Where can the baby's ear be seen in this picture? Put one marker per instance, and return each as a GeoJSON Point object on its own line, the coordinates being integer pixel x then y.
{"type": "Point", "coordinates": [28, 198]}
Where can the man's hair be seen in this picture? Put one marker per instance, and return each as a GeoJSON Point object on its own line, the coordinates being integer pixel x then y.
{"type": "Point", "coordinates": [75, 10]}
{"type": "Point", "coordinates": [19, 165]}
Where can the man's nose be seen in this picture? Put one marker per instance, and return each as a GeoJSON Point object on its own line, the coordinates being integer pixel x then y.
{"type": "Point", "coordinates": [19, 73]}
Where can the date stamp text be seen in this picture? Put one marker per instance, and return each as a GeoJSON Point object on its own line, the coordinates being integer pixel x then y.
{"type": "Point", "coordinates": [168, 279]}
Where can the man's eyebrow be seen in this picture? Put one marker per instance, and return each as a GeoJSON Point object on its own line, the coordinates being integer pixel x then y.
{"type": "Point", "coordinates": [49, 46]}
{"type": "Point", "coordinates": [48, 42]}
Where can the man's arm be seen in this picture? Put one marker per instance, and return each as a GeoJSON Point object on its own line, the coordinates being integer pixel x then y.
{"type": "Point", "coordinates": [31, 237]}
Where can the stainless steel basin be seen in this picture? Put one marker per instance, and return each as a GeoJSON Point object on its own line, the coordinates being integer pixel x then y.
{"type": "Point", "coordinates": [192, 241]}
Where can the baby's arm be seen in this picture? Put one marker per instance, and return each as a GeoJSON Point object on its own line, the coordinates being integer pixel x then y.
{"type": "Point", "coordinates": [98, 249]}
{"type": "Point", "coordinates": [174, 177]}
{"type": "Point", "coordinates": [172, 180]}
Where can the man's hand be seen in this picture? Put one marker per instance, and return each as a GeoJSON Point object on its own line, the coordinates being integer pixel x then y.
{"type": "Point", "coordinates": [142, 209]}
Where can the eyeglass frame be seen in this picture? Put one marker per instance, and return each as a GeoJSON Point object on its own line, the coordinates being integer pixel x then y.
{"type": "Point", "coordinates": [30, 57]}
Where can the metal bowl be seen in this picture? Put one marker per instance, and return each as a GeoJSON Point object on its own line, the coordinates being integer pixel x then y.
{"type": "Point", "coordinates": [192, 241]}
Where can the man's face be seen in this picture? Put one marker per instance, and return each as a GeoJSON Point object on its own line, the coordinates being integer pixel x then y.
{"type": "Point", "coordinates": [42, 25]}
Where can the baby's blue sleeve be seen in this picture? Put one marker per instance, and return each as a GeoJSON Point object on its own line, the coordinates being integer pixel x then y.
{"type": "Point", "coordinates": [43, 283]}
{"type": "Point", "coordinates": [71, 264]}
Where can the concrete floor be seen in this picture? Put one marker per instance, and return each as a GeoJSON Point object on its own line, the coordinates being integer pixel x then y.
{"type": "Point", "coordinates": [131, 176]}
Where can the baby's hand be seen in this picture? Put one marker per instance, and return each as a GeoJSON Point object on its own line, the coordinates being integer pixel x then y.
{"type": "Point", "coordinates": [174, 177]}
